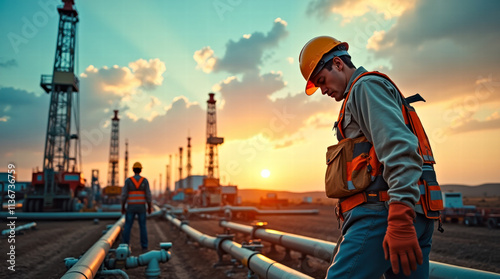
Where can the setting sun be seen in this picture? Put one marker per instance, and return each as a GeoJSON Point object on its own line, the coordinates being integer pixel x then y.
{"type": "Point", "coordinates": [265, 173]}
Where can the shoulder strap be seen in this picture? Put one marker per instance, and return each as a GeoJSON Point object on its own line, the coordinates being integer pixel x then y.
{"type": "Point", "coordinates": [137, 183]}
{"type": "Point", "coordinates": [338, 124]}
{"type": "Point", "coordinates": [410, 116]}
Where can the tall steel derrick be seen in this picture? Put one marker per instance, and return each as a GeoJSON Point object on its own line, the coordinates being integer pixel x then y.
{"type": "Point", "coordinates": [189, 167]}
{"type": "Point", "coordinates": [63, 86]}
{"type": "Point", "coordinates": [125, 168]}
{"type": "Point", "coordinates": [211, 153]}
{"type": "Point", "coordinates": [114, 151]}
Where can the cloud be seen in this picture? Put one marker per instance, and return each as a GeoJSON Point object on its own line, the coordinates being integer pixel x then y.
{"type": "Point", "coordinates": [434, 51]}
{"type": "Point", "coordinates": [123, 80]}
{"type": "Point", "coordinates": [126, 88]}
{"type": "Point", "coordinates": [9, 63]}
{"type": "Point", "coordinates": [491, 122]}
{"type": "Point", "coordinates": [352, 9]}
{"type": "Point", "coordinates": [205, 59]}
{"type": "Point", "coordinates": [244, 55]}
{"type": "Point", "coordinates": [249, 109]}
{"type": "Point", "coordinates": [149, 73]}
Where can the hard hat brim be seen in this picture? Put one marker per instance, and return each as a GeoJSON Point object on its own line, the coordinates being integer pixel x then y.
{"type": "Point", "coordinates": [310, 88]}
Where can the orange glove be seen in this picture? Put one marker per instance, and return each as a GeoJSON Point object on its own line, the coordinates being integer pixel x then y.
{"type": "Point", "coordinates": [400, 241]}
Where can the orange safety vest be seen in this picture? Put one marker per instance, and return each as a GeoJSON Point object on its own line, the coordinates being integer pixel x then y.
{"type": "Point", "coordinates": [138, 196]}
{"type": "Point", "coordinates": [431, 200]}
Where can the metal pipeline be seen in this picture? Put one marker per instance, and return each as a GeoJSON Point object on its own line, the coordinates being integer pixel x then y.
{"type": "Point", "coordinates": [324, 250]}
{"type": "Point", "coordinates": [69, 215]}
{"type": "Point", "coordinates": [310, 246]}
{"type": "Point", "coordinates": [204, 239]}
{"type": "Point", "coordinates": [20, 228]}
{"type": "Point", "coordinates": [89, 264]}
{"type": "Point", "coordinates": [64, 215]}
{"type": "Point", "coordinates": [257, 263]}
{"type": "Point", "coordinates": [241, 209]}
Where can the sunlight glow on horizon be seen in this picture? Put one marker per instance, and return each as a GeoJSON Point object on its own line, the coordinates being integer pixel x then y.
{"type": "Point", "coordinates": [265, 173]}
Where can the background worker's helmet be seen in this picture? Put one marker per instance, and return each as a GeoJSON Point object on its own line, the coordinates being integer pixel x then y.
{"type": "Point", "coordinates": [137, 165]}
{"type": "Point", "coordinates": [312, 53]}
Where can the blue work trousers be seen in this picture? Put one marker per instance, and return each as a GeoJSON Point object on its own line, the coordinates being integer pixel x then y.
{"type": "Point", "coordinates": [129, 221]}
{"type": "Point", "coordinates": [361, 255]}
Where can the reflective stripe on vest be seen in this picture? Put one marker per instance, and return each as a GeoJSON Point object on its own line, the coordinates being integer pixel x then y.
{"type": "Point", "coordinates": [431, 200]}
{"type": "Point", "coordinates": [137, 196]}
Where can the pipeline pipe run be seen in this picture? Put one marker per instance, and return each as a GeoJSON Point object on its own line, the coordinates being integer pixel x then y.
{"type": "Point", "coordinates": [223, 244]}
{"type": "Point", "coordinates": [228, 210]}
{"type": "Point", "coordinates": [59, 216]}
{"type": "Point", "coordinates": [324, 250]}
{"type": "Point", "coordinates": [28, 226]}
{"type": "Point", "coordinates": [90, 263]}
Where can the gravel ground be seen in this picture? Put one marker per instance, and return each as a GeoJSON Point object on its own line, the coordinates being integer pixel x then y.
{"type": "Point", "coordinates": [40, 253]}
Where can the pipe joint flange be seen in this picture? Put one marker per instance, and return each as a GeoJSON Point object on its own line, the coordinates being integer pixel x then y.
{"type": "Point", "coordinates": [218, 241]}
{"type": "Point", "coordinates": [255, 226]}
{"type": "Point", "coordinates": [254, 245]}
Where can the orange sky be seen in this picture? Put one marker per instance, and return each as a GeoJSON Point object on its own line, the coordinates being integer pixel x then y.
{"type": "Point", "coordinates": [158, 70]}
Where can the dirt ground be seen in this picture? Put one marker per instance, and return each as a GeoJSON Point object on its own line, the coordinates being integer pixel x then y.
{"type": "Point", "coordinates": [40, 253]}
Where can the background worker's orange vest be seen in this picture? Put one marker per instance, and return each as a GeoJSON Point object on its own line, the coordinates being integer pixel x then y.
{"type": "Point", "coordinates": [138, 194]}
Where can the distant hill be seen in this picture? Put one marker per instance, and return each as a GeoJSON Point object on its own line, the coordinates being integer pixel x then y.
{"type": "Point", "coordinates": [254, 195]}
{"type": "Point", "coordinates": [483, 190]}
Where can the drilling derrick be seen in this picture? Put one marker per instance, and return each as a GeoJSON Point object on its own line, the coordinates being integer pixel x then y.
{"type": "Point", "coordinates": [113, 151]}
{"type": "Point", "coordinates": [57, 187]}
{"type": "Point", "coordinates": [211, 154]}
{"type": "Point", "coordinates": [189, 166]}
{"type": "Point", "coordinates": [125, 168]}
{"type": "Point", "coordinates": [211, 190]}
{"type": "Point", "coordinates": [111, 193]}
{"type": "Point", "coordinates": [180, 169]}
{"type": "Point", "coordinates": [169, 167]}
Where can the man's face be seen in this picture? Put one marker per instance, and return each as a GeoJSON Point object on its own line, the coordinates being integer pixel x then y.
{"type": "Point", "coordinates": [332, 82]}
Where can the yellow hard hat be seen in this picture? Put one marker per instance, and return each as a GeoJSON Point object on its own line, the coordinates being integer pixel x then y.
{"type": "Point", "coordinates": [137, 165]}
{"type": "Point", "coordinates": [312, 53]}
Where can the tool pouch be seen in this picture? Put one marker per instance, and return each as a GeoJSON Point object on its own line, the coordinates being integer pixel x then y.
{"type": "Point", "coordinates": [351, 167]}
{"type": "Point", "coordinates": [431, 198]}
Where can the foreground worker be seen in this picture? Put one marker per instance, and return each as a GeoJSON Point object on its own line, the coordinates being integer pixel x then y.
{"type": "Point", "coordinates": [135, 195]}
{"type": "Point", "coordinates": [376, 171]}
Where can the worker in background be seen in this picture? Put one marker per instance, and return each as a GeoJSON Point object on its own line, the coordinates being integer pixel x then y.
{"type": "Point", "coordinates": [135, 196]}
{"type": "Point", "coordinates": [379, 237]}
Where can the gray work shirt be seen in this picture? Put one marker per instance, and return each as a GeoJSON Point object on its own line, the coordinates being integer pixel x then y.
{"type": "Point", "coordinates": [374, 110]}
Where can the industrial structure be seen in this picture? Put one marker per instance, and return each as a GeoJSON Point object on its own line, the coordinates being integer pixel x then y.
{"type": "Point", "coordinates": [168, 174]}
{"type": "Point", "coordinates": [57, 187]}
{"type": "Point", "coordinates": [111, 193]}
{"type": "Point", "coordinates": [189, 167]}
{"type": "Point", "coordinates": [206, 190]}
{"type": "Point", "coordinates": [125, 168]}
{"type": "Point", "coordinates": [210, 192]}
{"type": "Point", "coordinates": [211, 153]}
{"type": "Point", "coordinates": [114, 147]}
